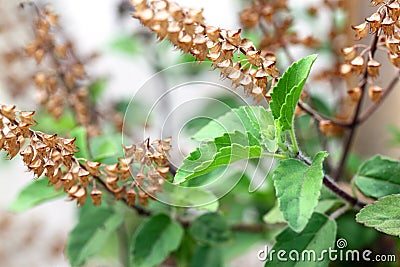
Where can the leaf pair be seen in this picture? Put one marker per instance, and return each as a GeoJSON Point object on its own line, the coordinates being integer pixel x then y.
{"type": "Point", "coordinates": [242, 133]}
{"type": "Point", "coordinates": [379, 178]}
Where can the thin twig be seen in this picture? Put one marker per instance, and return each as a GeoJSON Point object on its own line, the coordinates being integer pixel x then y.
{"type": "Point", "coordinates": [367, 113]}
{"type": "Point", "coordinates": [349, 139]}
{"type": "Point", "coordinates": [362, 118]}
{"type": "Point", "coordinates": [321, 117]}
{"type": "Point", "coordinates": [139, 210]}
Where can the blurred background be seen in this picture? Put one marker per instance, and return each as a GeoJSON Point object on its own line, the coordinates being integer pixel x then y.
{"type": "Point", "coordinates": [126, 56]}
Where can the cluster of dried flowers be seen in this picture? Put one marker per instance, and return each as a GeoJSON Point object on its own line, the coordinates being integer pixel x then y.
{"type": "Point", "coordinates": [384, 24]}
{"type": "Point", "coordinates": [64, 82]}
{"type": "Point", "coordinates": [275, 21]}
{"type": "Point", "coordinates": [13, 30]}
{"type": "Point", "coordinates": [53, 157]}
{"type": "Point", "coordinates": [186, 29]}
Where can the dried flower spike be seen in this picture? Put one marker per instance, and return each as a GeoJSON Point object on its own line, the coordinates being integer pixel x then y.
{"type": "Point", "coordinates": [185, 28]}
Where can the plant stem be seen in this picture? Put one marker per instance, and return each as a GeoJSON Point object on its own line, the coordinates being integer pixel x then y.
{"type": "Point", "coordinates": [335, 188]}
{"type": "Point", "coordinates": [363, 117]}
{"type": "Point", "coordinates": [139, 210]}
{"type": "Point", "coordinates": [320, 117]}
{"type": "Point", "coordinates": [385, 93]}
{"type": "Point", "coordinates": [349, 139]}
{"type": "Point", "coordinates": [275, 156]}
{"type": "Point", "coordinates": [295, 146]}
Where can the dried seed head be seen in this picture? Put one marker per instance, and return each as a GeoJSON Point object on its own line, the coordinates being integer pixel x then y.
{"type": "Point", "coordinates": [361, 30]}
{"type": "Point", "coordinates": [376, 2]}
{"type": "Point", "coordinates": [111, 181]}
{"type": "Point", "coordinates": [80, 196]}
{"type": "Point", "coordinates": [395, 59]}
{"type": "Point", "coordinates": [328, 128]}
{"type": "Point", "coordinates": [375, 93]}
{"type": "Point", "coordinates": [83, 176]}
{"type": "Point", "coordinates": [27, 154]}
{"type": "Point", "coordinates": [374, 22]}
{"type": "Point", "coordinates": [349, 52]}
{"type": "Point", "coordinates": [355, 94]}
{"type": "Point", "coordinates": [143, 198]}
{"type": "Point", "coordinates": [394, 10]}
{"type": "Point", "coordinates": [392, 43]}
{"type": "Point", "coordinates": [96, 196]}
{"type": "Point", "coordinates": [373, 67]}
{"type": "Point", "coordinates": [249, 18]}
{"type": "Point", "coordinates": [119, 193]}
{"type": "Point", "coordinates": [388, 26]}
{"type": "Point", "coordinates": [27, 117]}
{"type": "Point", "coordinates": [131, 196]}
{"type": "Point", "coordinates": [358, 64]}
{"type": "Point", "coordinates": [8, 111]}
{"type": "Point", "coordinates": [345, 70]}
{"type": "Point", "coordinates": [111, 170]}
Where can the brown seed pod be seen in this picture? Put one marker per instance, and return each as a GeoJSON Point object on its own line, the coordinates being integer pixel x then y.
{"type": "Point", "coordinates": [96, 195]}
{"type": "Point", "coordinates": [355, 94]}
{"type": "Point", "coordinates": [375, 93]}
{"type": "Point", "coordinates": [361, 30]}
{"type": "Point", "coordinates": [131, 196]}
{"type": "Point", "coordinates": [373, 67]}
{"type": "Point", "coordinates": [328, 128]}
{"type": "Point", "coordinates": [358, 64]}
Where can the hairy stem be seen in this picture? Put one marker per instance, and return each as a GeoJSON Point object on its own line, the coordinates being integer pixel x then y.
{"type": "Point", "coordinates": [295, 146]}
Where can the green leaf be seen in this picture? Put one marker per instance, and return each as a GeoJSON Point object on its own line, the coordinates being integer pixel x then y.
{"type": "Point", "coordinates": [188, 197]}
{"type": "Point", "coordinates": [81, 142]}
{"type": "Point", "coordinates": [358, 236]}
{"type": "Point", "coordinates": [34, 194]}
{"type": "Point", "coordinates": [90, 235]}
{"type": "Point", "coordinates": [286, 93]}
{"type": "Point", "coordinates": [252, 119]}
{"type": "Point", "coordinates": [207, 256]}
{"type": "Point", "coordinates": [210, 229]}
{"type": "Point", "coordinates": [240, 243]}
{"type": "Point", "coordinates": [288, 108]}
{"type": "Point", "coordinates": [51, 125]}
{"type": "Point", "coordinates": [379, 177]}
{"type": "Point", "coordinates": [222, 151]}
{"type": "Point", "coordinates": [298, 188]}
{"type": "Point", "coordinates": [155, 239]}
{"type": "Point", "coordinates": [383, 215]}
{"type": "Point", "coordinates": [106, 147]}
{"type": "Point", "coordinates": [317, 236]}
